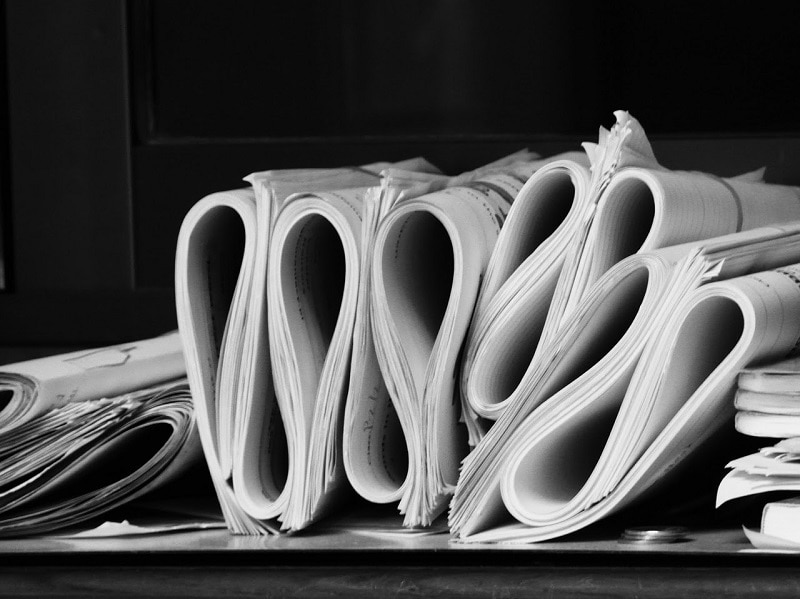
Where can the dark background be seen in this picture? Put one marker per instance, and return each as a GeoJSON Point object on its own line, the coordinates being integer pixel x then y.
{"type": "Point", "coordinates": [118, 115]}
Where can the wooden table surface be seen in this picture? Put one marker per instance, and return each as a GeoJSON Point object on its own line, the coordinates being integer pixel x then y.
{"type": "Point", "coordinates": [352, 558]}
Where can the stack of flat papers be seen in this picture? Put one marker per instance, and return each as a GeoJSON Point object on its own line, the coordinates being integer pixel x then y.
{"type": "Point", "coordinates": [30, 388]}
{"type": "Point", "coordinates": [768, 406]}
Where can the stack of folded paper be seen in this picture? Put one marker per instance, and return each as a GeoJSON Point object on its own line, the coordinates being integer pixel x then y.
{"type": "Point", "coordinates": [768, 400]}
{"type": "Point", "coordinates": [768, 406]}
{"type": "Point", "coordinates": [323, 312]}
{"type": "Point", "coordinates": [578, 321]}
{"type": "Point", "coordinates": [85, 432]}
{"type": "Point", "coordinates": [588, 391]}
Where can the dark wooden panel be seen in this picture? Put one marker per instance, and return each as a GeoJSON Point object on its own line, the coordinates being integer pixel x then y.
{"type": "Point", "coordinates": [90, 215]}
{"type": "Point", "coordinates": [5, 193]}
{"type": "Point", "coordinates": [69, 144]}
{"type": "Point", "coordinates": [358, 67]}
{"type": "Point", "coordinates": [688, 67]}
{"type": "Point", "coordinates": [82, 318]}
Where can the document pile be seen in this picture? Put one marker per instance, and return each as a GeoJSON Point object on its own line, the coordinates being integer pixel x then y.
{"type": "Point", "coordinates": [579, 320]}
{"type": "Point", "coordinates": [323, 312]}
{"type": "Point", "coordinates": [429, 257]}
{"type": "Point", "coordinates": [768, 400]}
{"type": "Point", "coordinates": [768, 405]}
{"type": "Point", "coordinates": [253, 447]}
{"type": "Point", "coordinates": [586, 393]}
{"type": "Point", "coordinates": [85, 432]}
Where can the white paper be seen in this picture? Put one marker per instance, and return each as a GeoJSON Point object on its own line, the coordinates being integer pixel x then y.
{"type": "Point", "coordinates": [565, 464]}
{"type": "Point", "coordinates": [78, 461]}
{"type": "Point", "coordinates": [429, 259]}
{"type": "Point", "coordinates": [222, 265]}
{"type": "Point", "coordinates": [44, 383]}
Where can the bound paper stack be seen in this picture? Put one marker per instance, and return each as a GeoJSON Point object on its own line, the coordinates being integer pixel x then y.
{"type": "Point", "coordinates": [253, 448]}
{"type": "Point", "coordinates": [626, 366]}
{"type": "Point", "coordinates": [578, 320]}
{"type": "Point", "coordinates": [290, 407]}
{"type": "Point", "coordinates": [768, 400]}
{"type": "Point", "coordinates": [780, 526]}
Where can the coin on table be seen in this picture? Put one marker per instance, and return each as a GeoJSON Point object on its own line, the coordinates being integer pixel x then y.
{"type": "Point", "coordinates": [646, 535]}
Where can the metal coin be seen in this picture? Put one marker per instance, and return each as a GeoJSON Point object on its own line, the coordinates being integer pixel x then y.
{"type": "Point", "coordinates": [646, 535]}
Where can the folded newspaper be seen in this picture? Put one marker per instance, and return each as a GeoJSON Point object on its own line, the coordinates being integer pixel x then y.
{"type": "Point", "coordinates": [88, 431]}
{"type": "Point", "coordinates": [258, 432]}
{"type": "Point", "coordinates": [376, 453]}
{"type": "Point", "coordinates": [624, 203]}
{"type": "Point", "coordinates": [634, 206]}
{"type": "Point", "coordinates": [429, 257]}
{"type": "Point", "coordinates": [32, 387]}
{"type": "Point", "coordinates": [81, 460]}
{"type": "Point", "coordinates": [519, 282]}
{"type": "Point", "coordinates": [638, 379]}
{"type": "Point", "coordinates": [295, 395]}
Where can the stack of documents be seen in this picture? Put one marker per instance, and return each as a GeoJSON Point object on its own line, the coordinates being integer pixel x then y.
{"type": "Point", "coordinates": [577, 321]}
{"type": "Point", "coordinates": [623, 204]}
{"type": "Point", "coordinates": [632, 362]}
{"type": "Point", "coordinates": [323, 314]}
{"type": "Point", "coordinates": [768, 405]}
{"type": "Point", "coordinates": [86, 432]}
{"type": "Point", "coordinates": [32, 387]}
{"type": "Point", "coordinates": [254, 442]}
{"type": "Point", "coordinates": [768, 400]}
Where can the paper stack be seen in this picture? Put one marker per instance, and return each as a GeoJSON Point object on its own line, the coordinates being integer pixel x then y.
{"type": "Point", "coordinates": [253, 448]}
{"type": "Point", "coordinates": [274, 284]}
{"type": "Point", "coordinates": [768, 406]}
{"type": "Point", "coordinates": [630, 368]}
{"type": "Point", "coordinates": [768, 400]}
{"type": "Point", "coordinates": [578, 320]}
{"type": "Point", "coordinates": [88, 431]}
